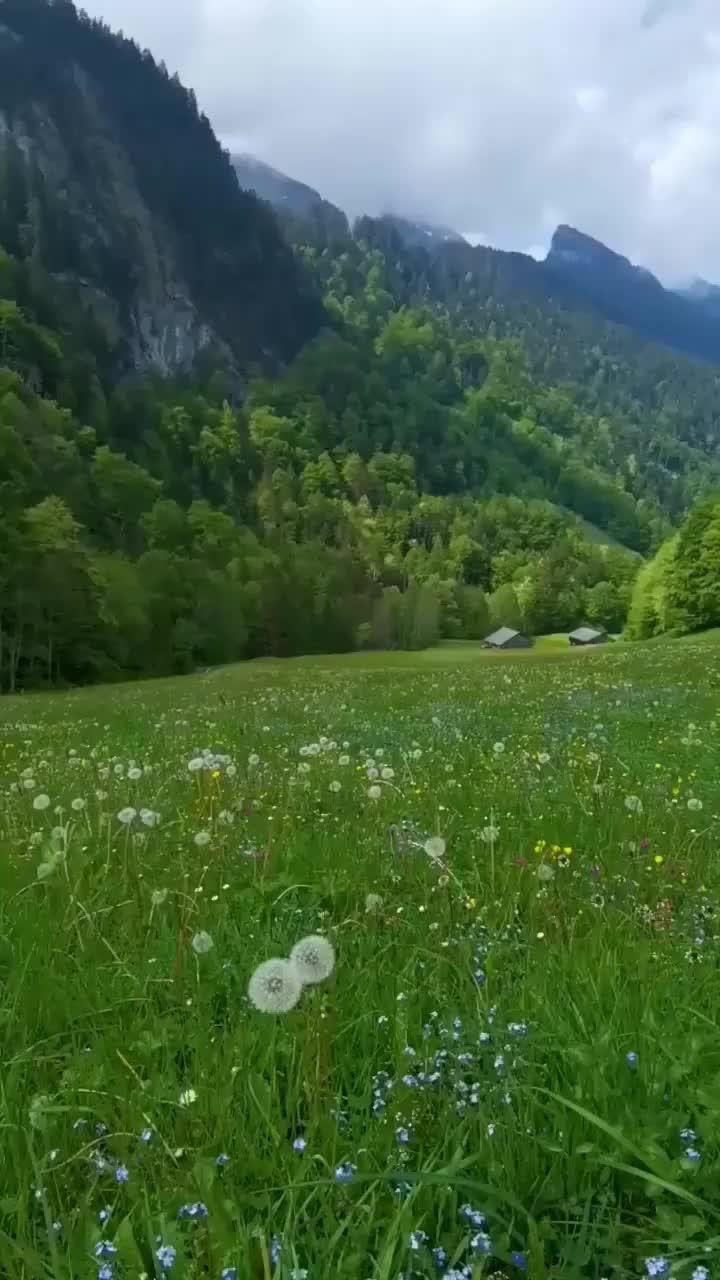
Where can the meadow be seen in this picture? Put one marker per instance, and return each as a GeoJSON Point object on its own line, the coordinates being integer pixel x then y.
{"type": "Point", "coordinates": [513, 1067]}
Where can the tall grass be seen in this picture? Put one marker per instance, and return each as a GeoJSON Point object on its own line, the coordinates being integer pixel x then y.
{"type": "Point", "coordinates": [516, 1063]}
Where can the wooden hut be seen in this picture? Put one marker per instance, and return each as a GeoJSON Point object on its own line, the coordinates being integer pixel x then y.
{"type": "Point", "coordinates": [506, 638]}
{"type": "Point", "coordinates": [587, 635]}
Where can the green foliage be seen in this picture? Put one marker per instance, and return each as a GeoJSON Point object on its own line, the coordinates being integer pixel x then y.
{"type": "Point", "coordinates": [680, 589]}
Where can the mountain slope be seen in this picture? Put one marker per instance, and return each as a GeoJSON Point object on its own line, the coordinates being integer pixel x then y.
{"type": "Point", "coordinates": [113, 182]}
{"type": "Point", "coordinates": [300, 208]}
{"type": "Point", "coordinates": [629, 295]}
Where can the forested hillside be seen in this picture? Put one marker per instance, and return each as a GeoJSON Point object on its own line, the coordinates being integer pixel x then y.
{"type": "Point", "coordinates": [394, 485]}
{"type": "Point", "coordinates": [112, 181]}
{"type": "Point", "coordinates": [442, 454]}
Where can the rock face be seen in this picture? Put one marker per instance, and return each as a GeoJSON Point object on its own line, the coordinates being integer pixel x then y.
{"type": "Point", "coordinates": [112, 182]}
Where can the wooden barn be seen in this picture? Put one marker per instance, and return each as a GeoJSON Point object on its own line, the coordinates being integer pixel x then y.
{"type": "Point", "coordinates": [506, 638]}
{"type": "Point", "coordinates": [588, 635]}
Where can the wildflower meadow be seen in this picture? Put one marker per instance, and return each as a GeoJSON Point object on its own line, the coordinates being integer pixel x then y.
{"type": "Point", "coordinates": [374, 967]}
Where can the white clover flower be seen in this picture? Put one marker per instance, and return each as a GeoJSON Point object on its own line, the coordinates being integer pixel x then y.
{"type": "Point", "coordinates": [275, 987]}
{"type": "Point", "coordinates": [435, 848]}
{"type": "Point", "coordinates": [202, 839]}
{"type": "Point", "coordinates": [313, 958]}
{"type": "Point", "coordinates": [134, 774]}
{"type": "Point", "coordinates": [633, 804]}
{"type": "Point", "coordinates": [374, 792]}
{"type": "Point", "coordinates": [694, 805]}
{"type": "Point", "coordinates": [41, 802]}
{"type": "Point", "coordinates": [202, 943]}
{"type": "Point", "coordinates": [78, 804]}
{"type": "Point", "coordinates": [127, 815]}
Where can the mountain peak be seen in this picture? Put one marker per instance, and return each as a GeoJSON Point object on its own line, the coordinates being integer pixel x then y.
{"type": "Point", "coordinates": [576, 249]}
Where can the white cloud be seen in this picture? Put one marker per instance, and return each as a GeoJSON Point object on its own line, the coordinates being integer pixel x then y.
{"type": "Point", "coordinates": [499, 114]}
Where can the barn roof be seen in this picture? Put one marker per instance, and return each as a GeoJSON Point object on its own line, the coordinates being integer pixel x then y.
{"type": "Point", "coordinates": [585, 634]}
{"type": "Point", "coordinates": [501, 636]}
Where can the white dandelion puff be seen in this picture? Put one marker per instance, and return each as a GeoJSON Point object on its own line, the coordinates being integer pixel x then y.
{"type": "Point", "coordinates": [134, 774]}
{"type": "Point", "coordinates": [313, 958]}
{"type": "Point", "coordinates": [275, 986]}
{"type": "Point", "coordinates": [127, 815]}
{"type": "Point", "coordinates": [633, 804]}
{"type": "Point", "coordinates": [374, 793]}
{"type": "Point", "coordinates": [78, 804]}
{"type": "Point", "coordinates": [435, 848]}
{"type": "Point", "coordinates": [202, 838]}
{"type": "Point", "coordinates": [202, 943]}
{"type": "Point", "coordinates": [41, 802]}
{"type": "Point", "coordinates": [694, 805]}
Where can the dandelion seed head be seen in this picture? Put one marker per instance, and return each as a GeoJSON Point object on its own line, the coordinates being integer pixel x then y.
{"type": "Point", "coordinates": [313, 958]}
{"type": "Point", "coordinates": [275, 986]}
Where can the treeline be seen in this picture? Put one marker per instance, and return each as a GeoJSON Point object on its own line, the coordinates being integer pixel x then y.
{"type": "Point", "coordinates": [679, 589]}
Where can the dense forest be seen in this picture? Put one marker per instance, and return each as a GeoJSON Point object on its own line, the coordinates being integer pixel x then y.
{"type": "Point", "coordinates": [430, 459]}
{"type": "Point", "coordinates": [394, 485]}
{"type": "Point", "coordinates": [678, 590]}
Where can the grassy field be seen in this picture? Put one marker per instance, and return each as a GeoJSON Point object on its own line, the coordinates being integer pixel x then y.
{"type": "Point", "coordinates": [515, 1065]}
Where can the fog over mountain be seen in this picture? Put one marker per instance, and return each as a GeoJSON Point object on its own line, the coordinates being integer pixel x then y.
{"type": "Point", "coordinates": [500, 118]}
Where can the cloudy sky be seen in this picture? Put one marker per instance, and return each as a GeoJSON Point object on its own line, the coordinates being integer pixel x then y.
{"type": "Point", "coordinates": [500, 118]}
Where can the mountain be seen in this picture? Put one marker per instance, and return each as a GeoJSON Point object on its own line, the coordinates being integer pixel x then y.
{"type": "Point", "coordinates": [703, 294]}
{"type": "Point", "coordinates": [300, 208]}
{"type": "Point", "coordinates": [629, 295]}
{"type": "Point", "coordinates": [425, 235]}
{"type": "Point", "coordinates": [113, 183]}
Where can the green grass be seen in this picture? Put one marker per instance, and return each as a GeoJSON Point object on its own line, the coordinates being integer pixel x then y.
{"type": "Point", "coordinates": [511, 978]}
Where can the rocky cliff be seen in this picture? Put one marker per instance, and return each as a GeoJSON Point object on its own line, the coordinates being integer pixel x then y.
{"type": "Point", "coordinates": [113, 182]}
